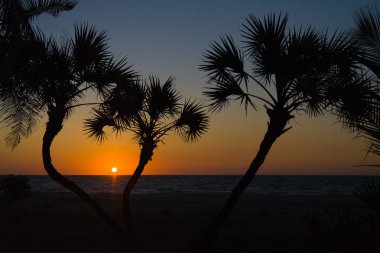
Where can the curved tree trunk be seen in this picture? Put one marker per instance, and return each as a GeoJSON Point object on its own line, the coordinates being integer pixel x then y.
{"type": "Point", "coordinates": [145, 155]}
{"type": "Point", "coordinates": [278, 119]}
{"type": "Point", "coordinates": [53, 127]}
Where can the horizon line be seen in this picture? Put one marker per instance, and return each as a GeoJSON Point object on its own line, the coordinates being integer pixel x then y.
{"type": "Point", "coordinates": [19, 174]}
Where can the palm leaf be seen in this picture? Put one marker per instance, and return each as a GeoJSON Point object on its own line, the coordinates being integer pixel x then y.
{"type": "Point", "coordinates": [88, 48]}
{"type": "Point", "coordinates": [303, 71]}
{"type": "Point", "coordinates": [126, 100]}
{"type": "Point", "coordinates": [327, 73]}
{"type": "Point", "coordinates": [221, 94]}
{"type": "Point", "coordinates": [16, 15]}
{"type": "Point", "coordinates": [193, 121]}
{"type": "Point", "coordinates": [94, 127]}
{"type": "Point", "coordinates": [353, 101]}
{"type": "Point", "coordinates": [368, 126]}
{"type": "Point", "coordinates": [265, 42]}
{"type": "Point", "coordinates": [20, 115]}
{"type": "Point", "coordinates": [341, 51]}
{"type": "Point", "coordinates": [303, 49]}
{"type": "Point", "coordinates": [224, 59]}
{"type": "Point", "coordinates": [112, 71]}
{"type": "Point", "coordinates": [367, 32]}
{"type": "Point", "coordinates": [161, 99]}
{"type": "Point", "coordinates": [34, 8]}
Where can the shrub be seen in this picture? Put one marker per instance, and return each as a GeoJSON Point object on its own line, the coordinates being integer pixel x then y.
{"type": "Point", "coordinates": [15, 186]}
{"type": "Point", "coordinates": [346, 231]}
{"type": "Point", "coordinates": [369, 193]}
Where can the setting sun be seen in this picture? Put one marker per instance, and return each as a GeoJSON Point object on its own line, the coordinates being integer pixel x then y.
{"type": "Point", "coordinates": [114, 170]}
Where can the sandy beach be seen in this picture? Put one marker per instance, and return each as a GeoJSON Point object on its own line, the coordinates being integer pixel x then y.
{"type": "Point", "coordinates": [60, 222]}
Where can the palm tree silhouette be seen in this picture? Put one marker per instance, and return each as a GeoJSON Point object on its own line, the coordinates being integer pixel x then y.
{"type": "Point", "coordinates": [150, 111]}
{"type": "Point", "coordinates": [16, 15]}
{"type": "Point", "coordinates": [55, 80]}
{"type": "Point", "coordinates": [367, 36]}
{"type": "Point", "coordinates": [300, 70]}
{"type": "Point", "coordinates": [17, 46]}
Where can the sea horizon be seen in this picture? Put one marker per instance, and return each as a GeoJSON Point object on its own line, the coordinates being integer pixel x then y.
{"type": "Point", "coordinates": [258, 175]}
{"type": "Point", "coordinates": [262, 184]}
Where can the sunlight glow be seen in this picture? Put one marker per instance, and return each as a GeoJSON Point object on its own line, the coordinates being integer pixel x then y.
{"type": "Point", "coordinates": [114, 170]}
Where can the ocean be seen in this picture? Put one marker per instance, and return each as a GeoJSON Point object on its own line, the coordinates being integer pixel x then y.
{"type": "Point", "coordinates": [288, 185]}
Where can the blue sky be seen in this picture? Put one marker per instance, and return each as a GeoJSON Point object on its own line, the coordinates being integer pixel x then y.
{"type": "Point", "coordinates": [168, 37]}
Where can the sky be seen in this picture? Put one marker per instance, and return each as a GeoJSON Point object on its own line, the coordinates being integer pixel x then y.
{"type": "Point", "coordinates": [168, 38]}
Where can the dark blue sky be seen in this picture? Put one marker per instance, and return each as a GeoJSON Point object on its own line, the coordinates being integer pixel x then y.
{"type": "Point", "coordinates": [167, 37]}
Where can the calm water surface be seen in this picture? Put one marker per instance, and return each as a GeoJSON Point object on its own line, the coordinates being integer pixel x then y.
{"type": "Point", "coordinates": [305, 185]}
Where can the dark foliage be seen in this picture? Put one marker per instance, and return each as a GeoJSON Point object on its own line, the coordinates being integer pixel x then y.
{"type": "Point", "coordinates": [362, 116]}
{"type": "Point", "coordinates": [345, 230]}
{"type": "Point", "coordinates": [150, 110]}
{"type": "Point", "coordinates": [16, 15]}
{"type": "Point", "coordinates": [17, 187]}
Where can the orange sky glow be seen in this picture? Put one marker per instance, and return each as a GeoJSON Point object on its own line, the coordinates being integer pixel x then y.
{"type": "Point", "coordinates": [311, 147]}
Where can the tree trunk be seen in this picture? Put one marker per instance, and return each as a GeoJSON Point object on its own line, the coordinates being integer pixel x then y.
{"type": "Point", "coordinates": [278, 118]}
{"type": "Point", "coordinates": [146, 154]}
{"type": "Point", "coordinates": [53, 127]}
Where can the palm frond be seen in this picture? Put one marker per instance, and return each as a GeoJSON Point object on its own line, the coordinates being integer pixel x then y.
{"type": "Point", "coordinates": [126, 100]}
{"type": "Point", "coordinates": [303, 71]}
{"type": "Point", "coordinates": [192, 122]}
{"type": "Point", "coordinates": [20, 115]}
{"type": "Point", "coordinates": [161, 99]}
{"type": "Point", "coordinates": [101, 77]}
{"type": "Point", "coordinates": [368, 126]}
{"type": "Point", "coordinates": [34, 8]}
{"type": "Point", "coordinates": [265, 42]}
{"type": "Point", "coordinates": [308, 95]}
{"type": "Point", "coordinates": [16, 15]}
{"type": "Point", "coordinates": [57, 65]}
{"type": "Point", "coordinates": [353, 101]}
{"type": "Point", "coordinates": [20, 59]}
{"type": "Point", "coordinates": [149, 111]}
{"type": "Point", "coordinates": [14, 23]}
{"type": "Point", "coordinates": [221, 94]}
{"type": "Point", "coordinates": [89, 47]}
{"type": "Point", "coordinates": [224, 59]}
{"type": "Point", "coordinates": [139, 134]}
{"type": "Point", "coordinates": [94, 127]}
{"type": "Point", "coordinates": [303, 50]}
{"type": "Point", "coordinates": [328, 72]}
{"type": "Point", "coordinates": [342, 51]}
{"type": "Point", "coordinates": [367, 33]}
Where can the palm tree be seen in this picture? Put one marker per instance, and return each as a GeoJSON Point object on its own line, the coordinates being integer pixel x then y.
{"type": "Point", "coordinates": [369, 128]}
{"type": "Point", "coordinates": [16, 15]}
{"type": "Point", "coordinates": [18, 45]}
{"type": "Point", "coordinates": [150, 111]}
{"type": "Point", "coordinates": [55, 80]}
{"type": "Point", "coordinates": [296, 70]}
{"type": "Point", "coordinates": [367, 36]}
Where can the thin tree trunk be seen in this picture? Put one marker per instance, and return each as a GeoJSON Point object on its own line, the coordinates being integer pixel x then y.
{"type": "Point", "coordinates": [276, 127]}
{"type": "Point", "coordinates": [53, 127]}
{"type": "Point", "coordinates": [145, 155]}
